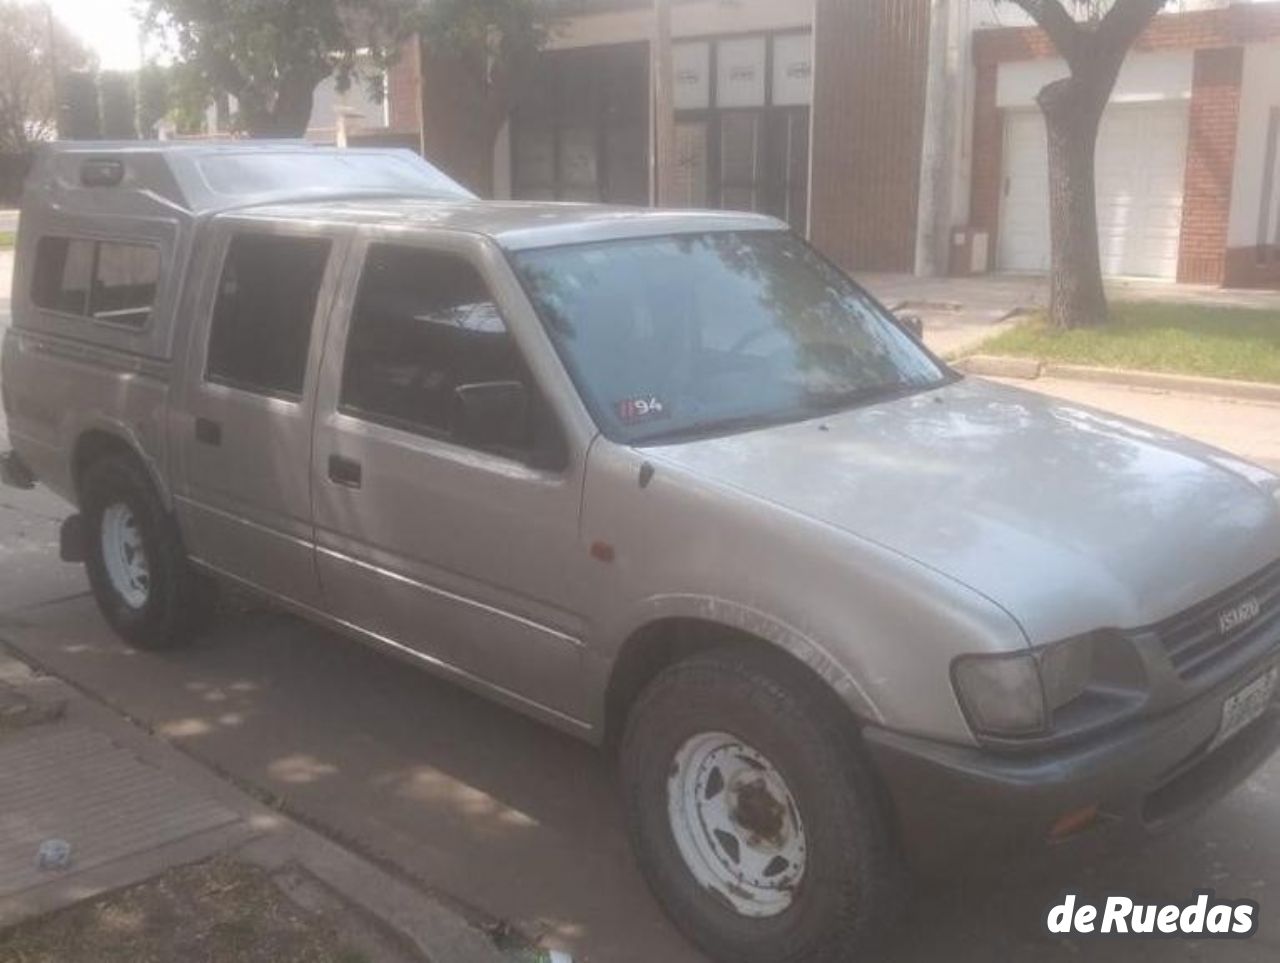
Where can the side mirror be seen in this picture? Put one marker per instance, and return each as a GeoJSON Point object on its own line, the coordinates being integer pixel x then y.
{"type": "Point", "coordinates": [913, 323]}
{"type": "Point", "coordinates": [492, 413]}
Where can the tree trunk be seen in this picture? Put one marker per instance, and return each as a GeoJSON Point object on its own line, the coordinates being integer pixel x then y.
{"type": "Point", "coordinates": [1073, 115]}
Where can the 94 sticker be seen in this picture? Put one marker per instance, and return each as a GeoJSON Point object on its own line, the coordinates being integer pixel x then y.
{"type": "Point", "coordinates": [648, 408]}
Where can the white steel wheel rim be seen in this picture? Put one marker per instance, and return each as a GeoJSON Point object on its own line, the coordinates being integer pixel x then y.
{"type": "Point", "coordinates": [736, 824]}
{"type": "Point", "coordinates": [125, 556]}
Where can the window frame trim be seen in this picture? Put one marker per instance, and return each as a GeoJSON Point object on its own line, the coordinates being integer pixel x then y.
{"type": "Point", "coordinates": [97, 240]}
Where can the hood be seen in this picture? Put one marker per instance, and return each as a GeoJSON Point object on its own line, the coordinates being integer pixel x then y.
{"type": "Point", "coordinates": [1071, 519]}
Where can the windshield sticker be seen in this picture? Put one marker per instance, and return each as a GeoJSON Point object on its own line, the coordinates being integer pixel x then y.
{"type": "Point", "coordinates": [633, 410]}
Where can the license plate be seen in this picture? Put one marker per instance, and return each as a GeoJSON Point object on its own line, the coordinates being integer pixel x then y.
{"type": "Point", "coordinates": [1246, 705]}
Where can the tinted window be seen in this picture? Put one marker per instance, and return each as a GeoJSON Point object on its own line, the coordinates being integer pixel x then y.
{"type": "Point", "coordinates": [124, 283]}
{"type": "Point", "coordinates": [425, 326]}
{"type": "Point", "coordinates": [63, 269]}
{"type": "Point", "coordinates": [262, 319]}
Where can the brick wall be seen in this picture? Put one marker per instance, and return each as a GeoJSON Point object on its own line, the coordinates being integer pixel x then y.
{"type": "Point", "coordinates": [455, 133]}
{"type": "Point", "coordinates": [1252, 267]}
{"type": "Point", "coordinates": [868, 130]}
{"type": "Point", "coordinates": [1211, 155]}
{"type": "Point", "coordinates": [403, 85]}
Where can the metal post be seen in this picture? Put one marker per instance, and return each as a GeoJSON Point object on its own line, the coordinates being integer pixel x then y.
{"type": "Point", "coordinates": [662, 154]}
{"type": "Point", "coordinates": [56, 81]}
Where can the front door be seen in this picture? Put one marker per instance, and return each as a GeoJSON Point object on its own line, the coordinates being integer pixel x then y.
{"type": "Point", "coordinates": [244, 430]}
{"type": "Point", "coordinates": [451, 539]}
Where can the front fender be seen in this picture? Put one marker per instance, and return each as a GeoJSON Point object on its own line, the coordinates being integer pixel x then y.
{"type": "Point", "coordinates": [740, 617]}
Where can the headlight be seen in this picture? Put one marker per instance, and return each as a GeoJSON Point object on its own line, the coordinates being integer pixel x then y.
{"type": "Point", "coordinates": [1017, 694]}
{"type": "Point", "coordinates": [1001, 694]}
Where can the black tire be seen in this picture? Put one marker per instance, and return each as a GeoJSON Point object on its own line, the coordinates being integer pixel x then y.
{"type": "Point", "coordinates": [852, 889]}
{"type": "Point", "coordinates": [179, 600]}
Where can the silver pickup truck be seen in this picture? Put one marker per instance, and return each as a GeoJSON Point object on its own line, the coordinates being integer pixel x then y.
{"type": "Point", "coordinates": [669, 481]}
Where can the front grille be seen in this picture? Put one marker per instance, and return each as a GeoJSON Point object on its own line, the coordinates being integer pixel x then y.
{"type": "Point", "coordinates": [1196, 640]}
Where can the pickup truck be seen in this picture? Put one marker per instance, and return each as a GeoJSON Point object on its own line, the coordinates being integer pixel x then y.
{"type": "Point", "coordinates": [669, 481]}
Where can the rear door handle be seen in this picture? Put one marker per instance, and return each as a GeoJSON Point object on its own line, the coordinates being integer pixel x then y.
{"type": "Point", "coordinates": [208, 432]}
{"type": "Point", "coordinates": [344, 471]}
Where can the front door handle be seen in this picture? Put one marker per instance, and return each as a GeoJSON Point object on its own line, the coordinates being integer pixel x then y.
{"type": "Point", "coordinates": [208, 432]}
{"type": "Point", "coordinates": [344, 471]}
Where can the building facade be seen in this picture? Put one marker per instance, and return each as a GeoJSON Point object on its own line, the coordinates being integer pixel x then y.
{"type": "Point", "coordinates": [898, 135]}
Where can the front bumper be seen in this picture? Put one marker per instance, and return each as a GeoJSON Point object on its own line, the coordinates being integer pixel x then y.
{"type": "Point", "coordinates": [953, 802]}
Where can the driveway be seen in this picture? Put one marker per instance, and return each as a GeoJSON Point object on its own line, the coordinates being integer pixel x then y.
{"type": "Point", "coordinates": [8, 221]}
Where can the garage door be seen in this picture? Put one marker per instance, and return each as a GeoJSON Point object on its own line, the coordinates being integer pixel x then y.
{"type": "Point", "coordinates": [1141, 162]}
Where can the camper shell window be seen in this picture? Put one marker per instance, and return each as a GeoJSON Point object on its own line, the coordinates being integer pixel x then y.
{"type": "Point", "coordinates": [113, 282]}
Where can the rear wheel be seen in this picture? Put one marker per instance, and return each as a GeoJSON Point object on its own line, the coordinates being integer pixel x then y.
{"type": "Point", "coordinates": [753, 815]}
{"type": "Point", "coordinates": [139, 573]}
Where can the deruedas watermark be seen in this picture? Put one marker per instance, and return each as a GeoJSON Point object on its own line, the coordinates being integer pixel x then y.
{"type": "Point", "coordinates": [1205, 917]}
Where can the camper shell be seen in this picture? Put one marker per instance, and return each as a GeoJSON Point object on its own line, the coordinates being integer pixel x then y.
{"type": "Point", "coordinates": [157, 195]}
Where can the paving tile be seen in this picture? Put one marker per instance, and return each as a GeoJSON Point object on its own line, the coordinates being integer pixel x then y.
{"type": "Point", "coordinates": [73, 783]}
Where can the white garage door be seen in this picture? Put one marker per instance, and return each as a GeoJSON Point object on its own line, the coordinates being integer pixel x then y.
{"type": "Point", "coordinates": [1141, 162]}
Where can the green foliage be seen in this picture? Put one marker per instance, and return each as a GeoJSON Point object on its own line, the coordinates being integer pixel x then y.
{"type": "Point", "coordinates": [504, 34]}
{"type": "Point", "coordinates": [27, 60]}
{"type": "Point", "coordinates": [1192, 339]}
{"type": "Point", "coordinates": [271, 54]}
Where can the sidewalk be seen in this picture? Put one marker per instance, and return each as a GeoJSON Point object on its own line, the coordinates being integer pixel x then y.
{"type": "Point", "coordinates": [132, 807]}
{"type": "Point", "coordinates": [1250, 429]}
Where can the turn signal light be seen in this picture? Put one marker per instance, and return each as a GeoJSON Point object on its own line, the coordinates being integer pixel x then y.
{"type": "Point", "coordinates": [1072, 823]}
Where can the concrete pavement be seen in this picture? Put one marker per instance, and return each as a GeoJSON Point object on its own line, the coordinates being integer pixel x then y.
{"type": "Point", "coordinates": [131, 807]}
{"type": "Point", "coordinates": [520, 823]}
{"type": "Point", "coordinates": [1251, 429]}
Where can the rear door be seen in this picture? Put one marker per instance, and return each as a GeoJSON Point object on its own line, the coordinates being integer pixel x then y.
{"type": "Point", "coordinates": [244, 428]}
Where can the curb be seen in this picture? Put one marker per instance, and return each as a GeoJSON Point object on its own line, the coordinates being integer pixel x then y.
{"type": "Point", "coordinates": [1029, 369]}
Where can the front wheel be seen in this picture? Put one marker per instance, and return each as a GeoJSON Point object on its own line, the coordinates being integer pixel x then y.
{"type": "Point", "coordinates": [139, 573]}
{"type": "Point", "coordinates": [754, 818]}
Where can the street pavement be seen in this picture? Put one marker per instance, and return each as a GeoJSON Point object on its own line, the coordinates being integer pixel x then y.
{"type": "Point", "coordinates": [520, 823]}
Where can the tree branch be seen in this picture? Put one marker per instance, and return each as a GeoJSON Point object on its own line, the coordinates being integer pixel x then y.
{"type": "Point", "coordinates": [1050, 15]}
{"type": "Point", "coordinates": [1124, 23]}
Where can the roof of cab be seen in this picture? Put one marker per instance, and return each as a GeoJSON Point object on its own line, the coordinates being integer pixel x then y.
{"type": "Point", "coordinates": [516, 225]}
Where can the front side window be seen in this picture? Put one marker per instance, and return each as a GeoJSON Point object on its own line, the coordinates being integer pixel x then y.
{"type": "Point", "coordinates": [698, 334]}
{"type": "Point", "coordinates": [429, 352]}
{"type": "Point", "coordinates": [110, 281]}
{"type": "Point", "coordinates": [264, 311]}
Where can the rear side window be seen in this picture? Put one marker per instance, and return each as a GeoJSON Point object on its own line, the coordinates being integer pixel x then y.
{"type": "Point", "coordinates": [264, 311]}
{"type": "Point", "coordinates": [110, 281]}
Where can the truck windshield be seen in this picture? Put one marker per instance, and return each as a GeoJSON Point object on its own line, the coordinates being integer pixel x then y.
{"type": "Point", "coordinates": [683, 336]}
